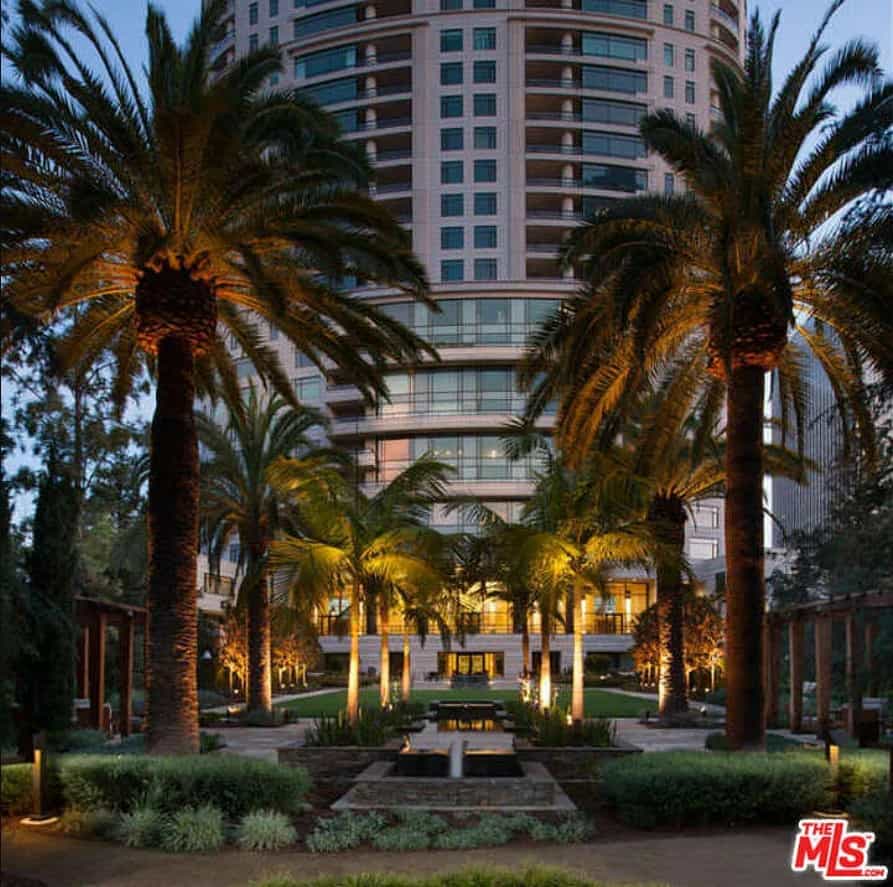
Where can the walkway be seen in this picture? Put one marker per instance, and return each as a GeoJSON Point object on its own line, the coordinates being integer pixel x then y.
{"type": "Point", "coordinates": [726, 858]}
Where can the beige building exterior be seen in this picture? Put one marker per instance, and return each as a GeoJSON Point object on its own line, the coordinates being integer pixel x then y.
{"type": "Point", "coordinates": [495, 127]}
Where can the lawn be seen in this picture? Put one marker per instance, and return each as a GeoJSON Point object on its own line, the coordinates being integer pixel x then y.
{"type": "Point", "coordinates": [599, 703]}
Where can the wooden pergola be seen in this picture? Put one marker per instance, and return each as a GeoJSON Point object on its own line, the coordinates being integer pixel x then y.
{"type": "Point", "coordinates": [94, 616]}
{"type": "Point", "coordinates": [822, 614]}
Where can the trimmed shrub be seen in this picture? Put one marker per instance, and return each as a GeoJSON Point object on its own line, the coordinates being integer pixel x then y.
{"type": "Point", "coordinates": [99, 823]}
{"type": "Point", "coordinates": [235, 785]}
{"type": "Point", "coordinates": [210, 699]}
{"type": "Point", "coordinates": [344, 831]}
{"type": "Point", "coordinates": [489, 877]}
{"type": "Point", "coordinates": [861, 772]}
{"type": "Point", "coordinates": [717, 742]}
{"type": "Point", "coordinates": [572, 829]}
{"type": "Point", "coordinates": [15, 788]}
{"type": "Point", "coordinates": [266, 830]}
{"type": "Point", "coordinates": [141, 827]}
{"type": "Point", "coordinates": [692, 788]}
{"type": "Point", "coordinates": [193, 830]}
{"type": "Point", "coordinates": [874, 813]}
{"type": "Point", "coordinates": [78, 741]}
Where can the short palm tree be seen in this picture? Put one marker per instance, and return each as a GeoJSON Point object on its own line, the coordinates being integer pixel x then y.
{"type": "Point", "coordinates": [161, 217]}
{"type": "Point", "coordinates": [364, 545]}
{"type": "Point", "coordinates": [756, 245]}
{"type": "Point", "coordinates": [575, 528]}
{"type": "Point", "coordinates": [239, 504]}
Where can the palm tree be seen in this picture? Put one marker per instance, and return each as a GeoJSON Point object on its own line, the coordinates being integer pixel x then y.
{"type": "Point", "coordinates": [238, 502]}
{"type": "Point", "coordinates": [758, 244]}
{"type": "Point", "coordinates": [574, 529]}
{"type": "Point", "coordinates": [364, 545]}
{"type": "Point", "coordinates": [162, 217]}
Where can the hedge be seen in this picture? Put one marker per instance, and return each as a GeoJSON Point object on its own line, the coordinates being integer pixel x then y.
{"type": "Point", "coordinates": [468, 878]}
{"type": "Point", "coordinates": [88, 782]}
{"type": "Point", "coordinates": [694, 788]}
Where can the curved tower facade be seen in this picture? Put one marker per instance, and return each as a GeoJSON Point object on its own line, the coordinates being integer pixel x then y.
{"type": "Point", "coordinates": [494, 126]}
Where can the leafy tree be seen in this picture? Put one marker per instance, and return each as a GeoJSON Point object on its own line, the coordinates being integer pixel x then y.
{"type": "Point", "coordinates": [164, 215]}
{"type": "Point", "coordinates": [364, 546]}
{"type": "Point", "coordinates": [294, 645]}
{"type": "Point", "coordinates": [240, 504]}
{"type": "Point", "coordinates": [719, 274]}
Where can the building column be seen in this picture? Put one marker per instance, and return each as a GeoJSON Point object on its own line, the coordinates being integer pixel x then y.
{"type": "Point", "coordinates": [772, 653]}
{"type": "Point", "coordinates": [795, 666]}
{"type": "Point", "coordinates": [97, 669]}
{"type": "Point", "coordinates": [823, 625]}
{"type": "Point", "coordinates": [870, 637]}
{"type": "Point", "coordinates": [853, 674]}
{"type": "Point", "coordinates": [125, 670]}
{"type": "Point", "coordinates": [82, 685]}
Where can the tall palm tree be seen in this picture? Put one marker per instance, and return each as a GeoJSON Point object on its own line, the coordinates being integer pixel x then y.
{"type": "Point", "coordinates": [238, 503]}
{"type": "Point", "coordinates": [574, 529]}
{"type": "Point", "coordinates": [165, 215]}
{"type": "Point", "coordinates": [758, 244]}
{"type": "Point", "coordinates": [363, 544]}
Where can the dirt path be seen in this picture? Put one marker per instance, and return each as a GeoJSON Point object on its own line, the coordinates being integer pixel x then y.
{"type": "Point", "coordinates": [752, 858]}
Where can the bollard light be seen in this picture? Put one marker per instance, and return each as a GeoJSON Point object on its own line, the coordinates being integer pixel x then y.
{"type": "Point", "coordinates": [39, 815]}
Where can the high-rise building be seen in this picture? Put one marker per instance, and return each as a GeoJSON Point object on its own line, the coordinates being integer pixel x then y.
{"type": "Point", "coordinates": [495, 127]}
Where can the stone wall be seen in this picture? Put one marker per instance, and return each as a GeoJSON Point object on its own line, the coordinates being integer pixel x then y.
{"type": "Point", "coordinates": [335, 763]}
{"type": "Point", "coordinates": [568, 762]}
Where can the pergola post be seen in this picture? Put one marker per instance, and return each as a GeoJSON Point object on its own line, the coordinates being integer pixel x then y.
{"type": "Point", "coordinates": [772, 654]}
{"type": "Point", "coordinates": [823, 625]}
{"type": "Point", "coordinates": [82, 682]}
{"type": "Point", "coordinates": [97, 668]}
{"type": "Point", "coordinates": [853, 674]}
{"type": "Point", "coordinates": [125, 670]}
{"type": "Point", "coordinates": [795, 653]}
{"type": "Point", "coordinates": [870, 637]}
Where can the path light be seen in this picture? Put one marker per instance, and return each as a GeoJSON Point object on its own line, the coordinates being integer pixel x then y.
{"type": "Point", "coordinates": [39, 815]}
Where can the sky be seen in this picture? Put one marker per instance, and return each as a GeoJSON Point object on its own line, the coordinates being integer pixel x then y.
{"type": "Point", "coordinates": [871, 19]}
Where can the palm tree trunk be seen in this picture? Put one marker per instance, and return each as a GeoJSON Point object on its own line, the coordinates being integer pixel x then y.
{"type": "Point", "coordinates": [171, 673]}
{"type": "Point", "coordinates": [260, 678]}
{"type": "Point", "coordinates": [407, 666]}
{"type": "Point", "coordinates": [576, 602]}
{"type": "Point", "coordinates": [525, 645]}
{"type": "Point", "coordinates": [545, 660]}
{"type": "Point", "coordinates": [667, 516]}
{"type": "Point", "coordinates": [745, 588]}
{"type": "Point", "coordinates": [384, 656]}
{"type": "Point", "coordinates": [353, 670]}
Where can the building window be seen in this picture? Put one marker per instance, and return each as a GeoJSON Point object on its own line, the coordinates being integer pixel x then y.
{"type": "Point", "coordinates": [485, 237]}
{"type": "Point", "coordinates": [451, 106]}
{"type": "Point", "coordinates": [689, 20]}
{"type": "Point", "coordinates": [703, 549]}
{"type": "Point", "coordinates": [310, 390]}
{"type": "Point", "coordinates": [274, 8]}
{"type": "Point", "coordinates": [451, 172]}
{"type": "Point", "coordinates": [274, 35]}
{"type": "Point", "coordinates": [614, 79]}
{"type": "Point", "coordinates": [252, 13]}
{"type": "Point", "coordinates": [614, 178]}
{"type": "Point", "coordinates": [691, 121]}
{"type": "Point", "coordinates": [485, 104]}
{"type": "Point", "coordinates": [325, 62]}
{"type": "Point", "coordinates": [485, 38]}
{"type": "Point", "coordinates": [690, 92]}
{"type": "Point", "coordinates": [485, 4]}
{"type": "Point", "coordinates": [451, 40]}
{"type": "Point", "coordinates": [485, 137]}
{"type": "Point", "coordinates": [452, 238]}
{"type": "Point", "coordinates": [669, 183]}
{"type": "Point", "coordinates": [485, 72]}
{"type": "Point", "coordinates": [452, 270]}
{"type": "Point", "coordinates": [669, 87]}
{"type": "Point", "coordinates": [612, 144]}
{"type": "Point", "coordinates": [485, 170]}
{"type": "Point", "coordinates": [607, 111]}
{"type": "Point", "coordinates": [668, 14]}
{"type": "Point", "coordinates": [629, 8]}
{"type": "Point", "coordinates": [485, 204]}
{"type": "Point", "coordinates": [689, 60]}
{"type": "Point", "coordinates": [485, 269]}
{"type": "Point", "coordinates": [629, 49]}
{"type": "Point", "coordinates": [302, 360]}
{"type": "Point", "coordinates": [706, 516]}
{"type": "Point", "coordinates": [451, 140]}
{"type": "Point", "coordinates": [252, 43]}
{"type": "Point", "coordinates": [450, 73]}
{"type": "Point", "coordinates": [669, 55]}
{"type": "Point", "coordinates": [324, 21]}
{"type": "Point", "coordinates": [452, 205]}
{"type": "Point", "coordinates": [450, 5]}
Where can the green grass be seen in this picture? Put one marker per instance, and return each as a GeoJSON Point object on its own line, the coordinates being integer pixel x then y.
{"type": "Point", "coordinates": [599, 704]}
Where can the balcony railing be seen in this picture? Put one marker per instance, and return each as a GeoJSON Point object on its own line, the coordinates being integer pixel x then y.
{"type": "Point", "coordinates": [557, 214]}
{"type": "Point", "coordinates": [730, 21]}
{"type": "Point", "coordinates": [554, 83]}
{"type": "Point", "coordinates": [569, 116]}
{"type": "Point", "coordinates": [384, 58]}
{"type": "Point", "coordinates": [336, 625]}
{"type": "Point", "coordinates": [222, 45]}
{"type": "Point", "coordinates": [552, 49]}
{"type": "Point", "coordinates": [554, 149]}
{"type": "Point", "coordinates": [579, 183]}
{"type": "Point", "coordinates": [552, 248]}
{"type": "Point", "coordinates": [387, 89]}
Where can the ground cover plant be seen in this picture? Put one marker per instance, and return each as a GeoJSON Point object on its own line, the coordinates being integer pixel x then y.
{"type": "Point", "coordinates": [490, 877]}
{"type": "Point", "coordinates": [419, 830]}
{"type": "Point", "coordinates": [598, 703]}
{"type": "Point", "coordinates": [266, 830]}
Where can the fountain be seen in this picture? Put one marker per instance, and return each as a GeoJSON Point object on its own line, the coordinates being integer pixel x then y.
{"type": "Point", "coordinates": [463, 759]}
